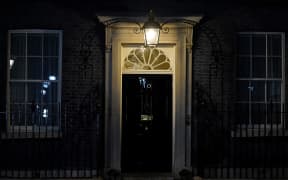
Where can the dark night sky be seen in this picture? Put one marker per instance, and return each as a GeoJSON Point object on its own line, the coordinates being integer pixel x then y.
{"type": "Point", "coordinates": [89, 8]}
{"type": "Point", "coordinates": [165, 6]}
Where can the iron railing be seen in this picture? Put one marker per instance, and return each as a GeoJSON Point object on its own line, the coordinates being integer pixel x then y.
{"type": "Point", "coordinates": [227, 148]}
{"type": "Point", "coordinates": [66, 150]}
{"type": "Point", "coordinates": [221, 147]}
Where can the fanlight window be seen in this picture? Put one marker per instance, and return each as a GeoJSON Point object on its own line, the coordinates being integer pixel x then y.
{"type": "Point", "coordinates": [147, 59]}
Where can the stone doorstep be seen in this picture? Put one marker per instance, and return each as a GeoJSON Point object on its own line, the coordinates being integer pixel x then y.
{"type": "Point", "coordinates": [155, 177]}
{"type": "Point", "coordinates": [147, 176]}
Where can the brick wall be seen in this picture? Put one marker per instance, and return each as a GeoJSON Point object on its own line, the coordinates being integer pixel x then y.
{"type": "Point", "coordinates": [219, 32]}
{"type": "Point", "coordinates": [214, 61]}
{"type": "Point", "coordinates": [83, 53]}
{"type": "Point", "coordinates": [222, 28]}
{"type": "Point", "coordinates": [82, 90]}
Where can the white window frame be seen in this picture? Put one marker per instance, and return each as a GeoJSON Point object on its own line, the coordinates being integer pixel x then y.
{"type": "Point", "coordinates": [34, 128]}
{"type": "Point", "coordinates": [265, 126]}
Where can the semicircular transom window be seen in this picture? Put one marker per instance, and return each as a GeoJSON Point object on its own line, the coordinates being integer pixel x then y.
{"type": "Point", "coordinates": [147, 59]}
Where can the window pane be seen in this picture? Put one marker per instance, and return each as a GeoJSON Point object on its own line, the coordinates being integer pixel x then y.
{"type": "Point", "coordinates": [274, 67]}
{"type": "Point", "coordinates": [243, 67]}
{"type": "Point", "coordinates": [244, 44]}
{"type": "Point", "coordinates": [51, 93]}
{"type": "Point", "coordinates": [242, 113]}
{"type": "Point", "coordinates": [274, 113]}
{"type": "Point", "coordinates": [258, 113]}
{"type": "Point", "coordinates": [33, 111]}
{"type": "Point", "coordinates": [259, 45]}
{"type": "Point", "coordinates": [259, 67]}
{"type": "Point", "coordinates": [51, 45]}
{"type": "Point", "coordinates": [274, 45]}
{"type": "Point", "coordinates": [34, 93]}
{"type": "Point", "coordinates": [42, 116]}
{"type": "Point", "coordinates": [18, 44]}
{"type": "Point", "coordinates": [34, 68]}
{"type": "Point", "coordinates": [34, 44]}
{"type": "Point", "coordinates": [17, 114]}
{"type": "Point", "coordinates": [46, 115]}
{"type": "Point", "coordinates": [265, 77]}
{"type": "Point", "coordinates": [18, 69]}
{"type": "Point", "coordinates": [53, 114]}
{"type": "Point", "coordinates": [258, 91]}
{"type": "Point", "coordinates": [274, 91]}
{"type": "Point", "coordinates": [51, 68]}
{"type": "Point", "coordinates": [242, 90]}
{"type": "Point", "coordinates": [33, 53]}
{"type": "Point", "coordinates": [17, 92]}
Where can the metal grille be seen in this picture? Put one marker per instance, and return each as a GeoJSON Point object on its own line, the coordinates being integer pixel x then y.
{"type": "Point", "coordinates": [71, 151]}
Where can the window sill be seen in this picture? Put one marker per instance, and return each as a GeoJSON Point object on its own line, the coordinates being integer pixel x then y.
{"type": "Point", "coordinates": [30, 135]}
{"type": "Point", "coordinates": [259, 132]}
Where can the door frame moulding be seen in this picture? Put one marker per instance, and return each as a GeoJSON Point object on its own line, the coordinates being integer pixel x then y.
{"type": "Point", "coordinates": [118, 36]}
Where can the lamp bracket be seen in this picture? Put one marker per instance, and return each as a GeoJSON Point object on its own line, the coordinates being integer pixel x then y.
{"type": "Point", "coordinates": [165, 29]}
{"type": "Point", "coordinates": [139, 29]}
{"type": "Point", "coordinates": [121, 20]}
{"type": "Point", "coordinates": [179, 20]}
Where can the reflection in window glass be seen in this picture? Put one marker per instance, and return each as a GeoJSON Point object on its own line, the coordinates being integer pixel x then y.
{"type": "Point", "coordinates": [34, 93]}
{"type": "Point", "coordinates": [274, 91]}
{"type": "Point", "coordinates": [274, 45]}
{"type": "Point", "coordinates": [34, 77]}
{"type": "Point", "coordinates": [34, 68]}
{"type": "Point", "coordinates": [259, 78]}
{"type": "Point", "coordinates": [18, 69]}
{"type": "Point", "coordinates": [51, 45]}
{"type": "Point", "coordinates": [243, 67]}
{"type": "Point", "coordinates": [18, 44]}
{"type": "Point", "coordinates": [34, 44]}
{"type": "Point", "coordinates": [259, 44]}
{"type": "Point", "coordinates": [274, 67]}
{"type": "Point", "coordinates": [257, 91]}
{"type": "Point", "coordinates": [259, 67]}
{"type": "Point", "coordinates": [18, 91]}
{"type": "Point", "coordinates": [51, 68]}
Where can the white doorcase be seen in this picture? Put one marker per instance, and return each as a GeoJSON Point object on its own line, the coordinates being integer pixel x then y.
{"type": "Point", "coordinates": [176, 47]}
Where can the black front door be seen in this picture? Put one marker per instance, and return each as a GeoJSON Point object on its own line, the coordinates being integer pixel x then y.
{"type": "Point", "coordinates": [146, 123]}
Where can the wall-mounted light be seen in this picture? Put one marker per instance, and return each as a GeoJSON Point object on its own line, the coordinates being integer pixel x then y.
{"type": "Point", "coordinates": [151, 30]}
